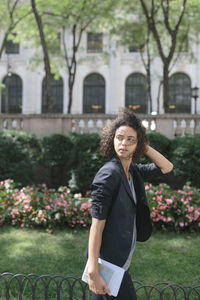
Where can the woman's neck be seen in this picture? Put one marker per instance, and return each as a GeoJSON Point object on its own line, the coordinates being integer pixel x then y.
{"type": "Point", "coordinates": [126, 165]}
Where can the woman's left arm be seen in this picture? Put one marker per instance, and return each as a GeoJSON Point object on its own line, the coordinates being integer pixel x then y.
{"type": "Point", "coordinates": [159, 160]}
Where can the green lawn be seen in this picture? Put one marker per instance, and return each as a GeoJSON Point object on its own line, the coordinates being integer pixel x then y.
{"type": "Point", "coordinates": [165, 257]}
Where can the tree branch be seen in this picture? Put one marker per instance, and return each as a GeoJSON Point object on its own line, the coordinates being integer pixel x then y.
{"type": "Point", "coordinates": [182, 11]}
{"type": "Point", "coordinates": [166, 16]}
{"type": "Point", "coordinates": [179, 49]}
{"type": "Point", "coordinates": [152, 27]}
{"type": "Point", "coordinates": [65, 48]}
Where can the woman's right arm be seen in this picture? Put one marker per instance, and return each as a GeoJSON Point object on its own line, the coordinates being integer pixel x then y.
{"type": "Point", "coordinates": [96, 282]}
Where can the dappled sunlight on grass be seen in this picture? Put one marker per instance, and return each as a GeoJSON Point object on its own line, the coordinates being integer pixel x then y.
{"type": "Point", "coordinates": [165, 256]}
{"type": "Point", "coordinates": [34, 251]}
{"type": "Point", "coordinates": [168, 257]}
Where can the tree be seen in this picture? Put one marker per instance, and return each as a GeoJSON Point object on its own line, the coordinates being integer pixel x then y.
{"type": "Point", "coordinates": [132, 30]}
{"type": "Point", "coordinates": [170, 24]}
{"type": "Point", "coordinates": [12, 12]}
{"type": "Point", "coordinates": [61, 25]}
{"type": "Point", "coordinates": [47, 65]}
{"type": "Point", "coordinates": [74, 18]}
{"type": "Point", "coordinates": [161, 31]}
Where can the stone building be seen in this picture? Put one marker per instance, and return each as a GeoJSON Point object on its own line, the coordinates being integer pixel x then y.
{"type": "Point", "coordinates": [108, 76]}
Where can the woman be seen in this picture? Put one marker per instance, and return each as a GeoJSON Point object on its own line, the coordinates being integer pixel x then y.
{"type": "Point", "coordinates": [120, 212]}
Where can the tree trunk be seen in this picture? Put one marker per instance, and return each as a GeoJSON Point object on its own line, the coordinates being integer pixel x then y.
{"type": "Point", "coordinates": [70, 87]}
{"type": "Point", "coordinates": [45, 58]}
{"type": "Point", "coordinates": [3, 45]}
{"type": "Point", "coordinates": [151, 18]}
{"type": "Point", "coordinates": [149, 91]}
{"type": "Point", "coordinates": [166, 87]}
{"type": "Point", "coordinates": [72, 66]}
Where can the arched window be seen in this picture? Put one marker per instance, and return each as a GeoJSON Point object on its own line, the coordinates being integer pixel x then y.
{"type": "Point", "coordinates": [136, 93]}
{"type": "Point", "coordinates": [11, 94]}
{"type": "Point", "coordinates": [179, 93]}
{"type": "Point", "coordinates": [94, 94]}
{"type": "Point", "coordinates": [57, 90]}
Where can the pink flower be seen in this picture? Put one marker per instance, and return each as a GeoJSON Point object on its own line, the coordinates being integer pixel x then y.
{"type": "Point", "coordinates": [190, 218]}
{"type": "Point", "coordinates": [85, 205]}
{"type": "Point", "coordinates": [196, 215]}
{"type": "Point", "coordinates": [48, 207]}
{"type": "Point", "coordinates": [181, 224]}
{"type": "Point", "coordinates": [163, 207]}
{"type": "Point", "coordinates": [190, 208]}
{"type": "Point", "coordinates": [169, 201]}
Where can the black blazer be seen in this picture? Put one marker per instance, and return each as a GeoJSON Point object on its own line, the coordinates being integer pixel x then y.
{"type": "Point", "coordinates": [112, 200]}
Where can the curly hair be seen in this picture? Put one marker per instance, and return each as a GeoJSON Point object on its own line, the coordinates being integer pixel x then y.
{"type": "Point", "coordinates": [127, 118]}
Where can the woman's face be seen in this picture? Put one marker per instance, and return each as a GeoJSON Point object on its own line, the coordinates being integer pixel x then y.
{"type": "Point", "coordinates": [125, 142]}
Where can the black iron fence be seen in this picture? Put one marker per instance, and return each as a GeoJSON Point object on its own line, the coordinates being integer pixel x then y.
{"type": "Point", "coordinates": [47, 287]}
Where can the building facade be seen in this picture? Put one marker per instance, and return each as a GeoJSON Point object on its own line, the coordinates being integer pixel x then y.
{"type": "Point", "coordinates": [108, 77]}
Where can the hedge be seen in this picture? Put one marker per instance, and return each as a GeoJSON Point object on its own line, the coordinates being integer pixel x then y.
{"type": "Point", "coordinates": [56, 160]}
{"type": "Point", "coordinates": [73, 160]}
{"type": "Point", "coordinates": [19, 152]}
{"type": "Point", "coordinates": [87, 161]}
{"type": "Point", "coordinates": [185, 155]}
{"type": "Point", "coordinates": [49, 208]}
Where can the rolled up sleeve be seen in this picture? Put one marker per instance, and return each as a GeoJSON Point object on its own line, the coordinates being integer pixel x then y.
{"type": "Point", "coordinates": [104, 187]}
{"type": "Point", "coordinates": [149, 171]}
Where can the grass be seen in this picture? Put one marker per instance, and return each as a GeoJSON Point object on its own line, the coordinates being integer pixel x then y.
{"type": "Point", "coordinates": [166, 257]}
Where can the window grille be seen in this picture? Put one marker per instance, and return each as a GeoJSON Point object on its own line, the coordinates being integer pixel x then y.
{"type": "Point", "coordinates": [136, 93]}
{"type": "Point", "coordinates": [135, 49]}
{"type": "Point", "coordinates": [11, 47]}
{"type": "Point", "coordinates": [179, 93]}
{"type": "Point", "coordinates": [94, 94]}
{"type": "Point", "coordinates": [94, 42]}
{"type": "Point", "coordinates": [12, 94]}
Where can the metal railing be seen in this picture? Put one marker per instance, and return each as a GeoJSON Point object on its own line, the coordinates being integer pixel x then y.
{"type": "Point", "coordinates": [58, 287]}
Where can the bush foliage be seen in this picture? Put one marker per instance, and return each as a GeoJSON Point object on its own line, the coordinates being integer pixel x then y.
{"type": "Point", "coordinates": [19, 153]}
{"type": "Point", "coordinates": [87, 161]}
{"type": "Point", "coordinates": [174, 210]}
{"type": "Point", "coordinates": [48, 208]}
{"type": "Point", "coordinates": [57, 158]}
{"type": "Point", "coordinates": [186, 158]}
{"type": "Point", "coordinates": [38, 206]}
{"type": "Point", "coordinates": [73, 160]}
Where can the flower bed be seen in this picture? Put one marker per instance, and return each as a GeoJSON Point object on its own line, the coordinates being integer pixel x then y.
{"type": "Point", "coordinates": [174, 210]}
{"type": "Point", "coordinates": [34, 206]}
{"type": "Point", "coordinates": [38, 206]}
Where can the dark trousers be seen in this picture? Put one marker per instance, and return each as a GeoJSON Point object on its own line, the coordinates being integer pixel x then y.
{"type": "Point", "coordinates": [126, 291]}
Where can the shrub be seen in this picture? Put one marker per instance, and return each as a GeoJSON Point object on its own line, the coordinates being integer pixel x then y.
{"type": "Point", "coordinates": [38, 206]}
{"type": "Point", "coordinates": [42, 207]}
{"type": "Point", "coordinates": [186, 158]}
{"type": "Point", "coordinates": [18, 156]}
{"type": "Point", "coordinates": [174, 210]}
{"type": "Point", "coordinates": [57, 159]}
{"type": "Point", "coordinates": [87, 161]}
